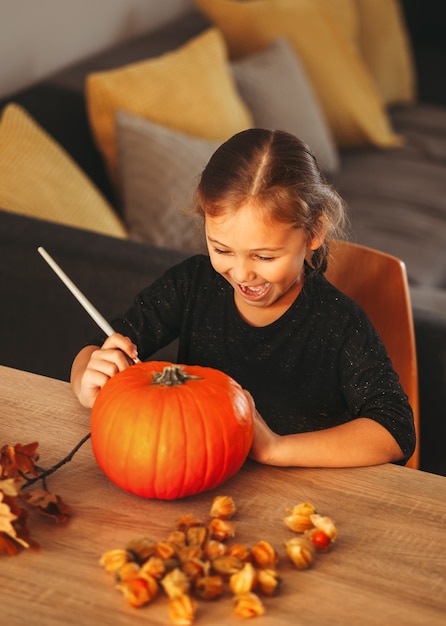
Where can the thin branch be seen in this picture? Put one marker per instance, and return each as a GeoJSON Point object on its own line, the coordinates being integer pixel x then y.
{"type": "Point", "coordinates": [52, 469]}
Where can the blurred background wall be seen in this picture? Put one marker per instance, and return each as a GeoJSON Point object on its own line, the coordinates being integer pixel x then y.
{"type": "Point", "coordinates": [38, 37]}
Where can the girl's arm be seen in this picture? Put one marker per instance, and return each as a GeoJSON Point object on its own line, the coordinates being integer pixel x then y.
{"type": "Point", "coordinates": [93, 366]}
{"type": "Point", "coordinates": [359, 442]}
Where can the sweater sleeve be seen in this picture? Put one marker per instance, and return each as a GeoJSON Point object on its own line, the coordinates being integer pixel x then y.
{"type": "Point", "coordinates": [371, 386]}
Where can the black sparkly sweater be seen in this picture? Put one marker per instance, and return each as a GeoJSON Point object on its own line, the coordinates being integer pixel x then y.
{"type": "Point", "coordinates": [320, 364]}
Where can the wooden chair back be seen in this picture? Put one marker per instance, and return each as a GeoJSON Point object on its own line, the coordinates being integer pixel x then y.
{"type": "Point", "coordinates": [378, 283]}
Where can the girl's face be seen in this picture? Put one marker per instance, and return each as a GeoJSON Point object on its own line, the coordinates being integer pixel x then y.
{"type": "Point", "coordinates": [262, 260]}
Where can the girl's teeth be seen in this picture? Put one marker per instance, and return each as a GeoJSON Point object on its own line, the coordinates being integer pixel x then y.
{"type": "Point", "coordinates": [255, 291]}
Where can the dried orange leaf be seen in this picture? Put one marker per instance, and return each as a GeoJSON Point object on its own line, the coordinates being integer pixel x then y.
{"type": "Point", "coordinates": [7, 517]}
{"type": "Point", "coordinates": [10, 486]}
{"type": "Point", "coordinates": [8, 545]}
{"type": "Point", "coordinates": [18, 460]}
{"type": "Point", "coordinates": [14, 534]}
{"type": "Point", "coordinates": [48, 504]}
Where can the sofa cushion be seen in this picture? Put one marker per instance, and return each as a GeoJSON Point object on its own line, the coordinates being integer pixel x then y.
{"type": "Point", "coordinates": [345, 14]}
{"type": "Point", "coordinates": [384, 42]}
{"type": "Point", "coordinates": [346, 91]}
{"type": "Point", "coordinates": [190, 89]}
{"type": "Point", "coordinates": [39, 179]}
{"type": "Point", "coordinates": [430, 300]}
{"type": "Point", "coordinates": [274, 85]}
{"type": "Point", "coordinates": [159, 169]}
{"type": "Point", "coordinates": [397, 200]}
{"type": "Point", "coordinates": [378, 31]}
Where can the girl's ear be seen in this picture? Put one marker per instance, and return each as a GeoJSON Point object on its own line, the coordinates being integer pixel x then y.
{"type": "Point", "coordinates": [318, 237]}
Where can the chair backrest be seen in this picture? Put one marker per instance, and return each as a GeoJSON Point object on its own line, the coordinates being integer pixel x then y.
{"type": "Point", "coordinates": [378, 283]}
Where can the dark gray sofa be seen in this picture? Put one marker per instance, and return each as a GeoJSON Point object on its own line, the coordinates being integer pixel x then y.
{"type": "Point", "coordinates": [43, 326]}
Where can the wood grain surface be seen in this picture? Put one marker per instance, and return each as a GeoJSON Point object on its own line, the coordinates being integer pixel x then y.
{"type": "Point", "coordinates": [388, 565]}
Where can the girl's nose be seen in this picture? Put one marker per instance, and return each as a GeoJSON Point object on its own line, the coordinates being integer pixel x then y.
{"type": "Point", "coordinates": [242, 272]}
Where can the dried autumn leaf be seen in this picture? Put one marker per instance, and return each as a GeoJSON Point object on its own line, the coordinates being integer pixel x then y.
{"type": "Point", "coordinates": [7, 517]}
{"type": "Point", "coordinates": [18, 460]}
{"type": "Point", "coordinates": [14, 534]}
{"type": "Point", "coordinates": [48, 504]}
{"type": "Point", "coordinates": [10, 486]}
{"type": "Point", "coordinates": [18, 471]}
{"type": "Point", "coordinates": [8, 546]}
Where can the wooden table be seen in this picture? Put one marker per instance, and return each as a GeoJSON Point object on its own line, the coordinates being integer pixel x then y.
{"type": "Point", "coordinates": [388, 566]}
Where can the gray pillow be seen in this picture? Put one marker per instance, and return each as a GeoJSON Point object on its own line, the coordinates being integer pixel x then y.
{"type": "Point", "coordinates": [159, 170]}
{"type": "Point", "coordinates": [275, 88]}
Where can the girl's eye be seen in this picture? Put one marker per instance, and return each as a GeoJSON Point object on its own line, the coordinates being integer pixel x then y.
{"type": "Point", "coordinates": [256, 256]}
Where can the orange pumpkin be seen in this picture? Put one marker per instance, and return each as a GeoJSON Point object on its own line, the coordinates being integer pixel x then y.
{"type": "Point", "coordinates": [166, 431]}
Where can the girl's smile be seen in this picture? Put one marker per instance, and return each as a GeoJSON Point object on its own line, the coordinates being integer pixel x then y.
{"type": "Point", "coordinates": [254, 293]}
{"type": "Point", "coordinates": [262, 259]}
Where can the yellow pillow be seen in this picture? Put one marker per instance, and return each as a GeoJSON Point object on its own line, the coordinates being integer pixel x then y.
{"type": "Point", "coordinates": [190, 90]}
{"type": "Point", "coordinates": [39, 179]}
{"type": "Point", "coordinates": [346, 91]}
{"type": "Point", "coordinates": [345, 13]}
{"type": "Point", "coordinates": [385, 45]}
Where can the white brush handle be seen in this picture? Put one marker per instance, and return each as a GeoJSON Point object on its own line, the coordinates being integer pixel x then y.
{"type": "Point", "coordinates": [91, 310]}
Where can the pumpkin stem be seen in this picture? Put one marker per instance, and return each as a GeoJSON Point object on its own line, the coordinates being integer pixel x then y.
{"type": "Point", "coordinates": [172, 375]}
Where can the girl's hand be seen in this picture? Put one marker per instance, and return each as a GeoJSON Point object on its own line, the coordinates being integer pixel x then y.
{"type": "Point", "coordinates": [264, 440]}
{"type": "Point", "coordinates": [93, 366]}
{"type": "Point", "coordinates": [359, 442]}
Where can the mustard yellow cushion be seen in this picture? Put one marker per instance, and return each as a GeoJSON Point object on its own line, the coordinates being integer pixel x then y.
{"type": "Point", "coordinates": [345, 13]}
{"type": "Point", "coordinates": [39, 179]}
{"type": "Point", "coordinates": [385, 44]}
{"type": "Point", "coordinates": [190, 90]}
{"type": "Point", "coordinates": [345, 89]}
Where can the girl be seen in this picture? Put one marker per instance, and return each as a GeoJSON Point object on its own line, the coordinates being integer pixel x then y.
{"type": "Point", "coordinates": [260, 309]}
